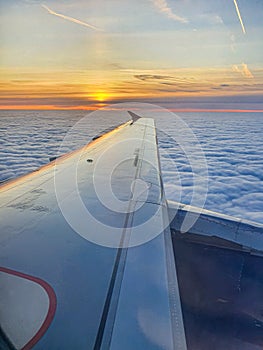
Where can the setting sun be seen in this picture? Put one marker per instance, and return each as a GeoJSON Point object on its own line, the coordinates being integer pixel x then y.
{"type": "Point", "coordinates": [101, 96]}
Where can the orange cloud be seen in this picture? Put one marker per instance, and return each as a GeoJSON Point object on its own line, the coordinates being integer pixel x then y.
{"type": "Point", "coordinates": [243, 69]}
{"type": "Point", "coordinates": [86, 89]}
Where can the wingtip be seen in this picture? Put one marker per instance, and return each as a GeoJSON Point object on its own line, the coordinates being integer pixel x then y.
{"type": "Point", "coordinates": [134, 116]}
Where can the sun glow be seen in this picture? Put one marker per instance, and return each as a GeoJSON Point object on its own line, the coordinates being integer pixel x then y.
{"type": "Point", "coordinates": [101, 96]}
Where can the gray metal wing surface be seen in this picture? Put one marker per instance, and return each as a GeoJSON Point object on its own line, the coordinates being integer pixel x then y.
{"type": "Point", "coordinates": [86, 251]}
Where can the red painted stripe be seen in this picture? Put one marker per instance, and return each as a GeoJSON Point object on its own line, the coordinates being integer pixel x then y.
{"type": "Point", "coordinates": [51, 310]}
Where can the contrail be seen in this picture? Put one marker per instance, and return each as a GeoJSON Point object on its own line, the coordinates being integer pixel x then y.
{"type": "Point", "coordinates": [71, 19]}
{"type": "Point", "coordinates": [239, 16]}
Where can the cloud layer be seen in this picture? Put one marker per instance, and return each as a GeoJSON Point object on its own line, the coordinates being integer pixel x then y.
{"type": "Point", "coordinates": [232, 143]}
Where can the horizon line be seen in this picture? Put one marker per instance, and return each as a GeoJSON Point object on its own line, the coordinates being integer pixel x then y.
{"type": "Point", "coordinates": [101, 105]}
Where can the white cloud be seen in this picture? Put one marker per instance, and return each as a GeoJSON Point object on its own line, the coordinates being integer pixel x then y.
{"type": "Point", "coordinates": [211, 18]}
{"type": "Point", "coordinates": [234, 157]}
{"type": "Point", "coordinates": [235, 164]}
{"type": "Point", "coordinates": [164, 8]}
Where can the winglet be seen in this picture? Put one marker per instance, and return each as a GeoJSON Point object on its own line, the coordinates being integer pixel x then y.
{"type": "Point", "coordinates": [134, 116]}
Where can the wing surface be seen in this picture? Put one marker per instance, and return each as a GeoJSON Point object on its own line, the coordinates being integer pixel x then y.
{"type": "Point", "coordinates": [86, 255]}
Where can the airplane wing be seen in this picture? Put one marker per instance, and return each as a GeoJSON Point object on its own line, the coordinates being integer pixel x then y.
{"type": "Point", "coordinates": [93, 257]}
{"type": "Point", "coordinates": [87, 263]}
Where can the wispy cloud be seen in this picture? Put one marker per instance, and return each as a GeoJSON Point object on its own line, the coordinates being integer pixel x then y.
{"type": "Point", "coordinates": [71, 19]}
{"type": "Point", "coordinates": [163, 7]}
{"type": "Point", "coordinates": [239, 16]}
{"type": "Point", "coordinates": [243, 69]}
{"type": "Point", "coordinates": [211, 18]}
{"type": "Point", "coordinates": [146, 77]}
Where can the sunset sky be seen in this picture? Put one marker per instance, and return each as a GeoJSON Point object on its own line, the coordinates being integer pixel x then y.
{"type": "Point", "coordinates": [87, 53]}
